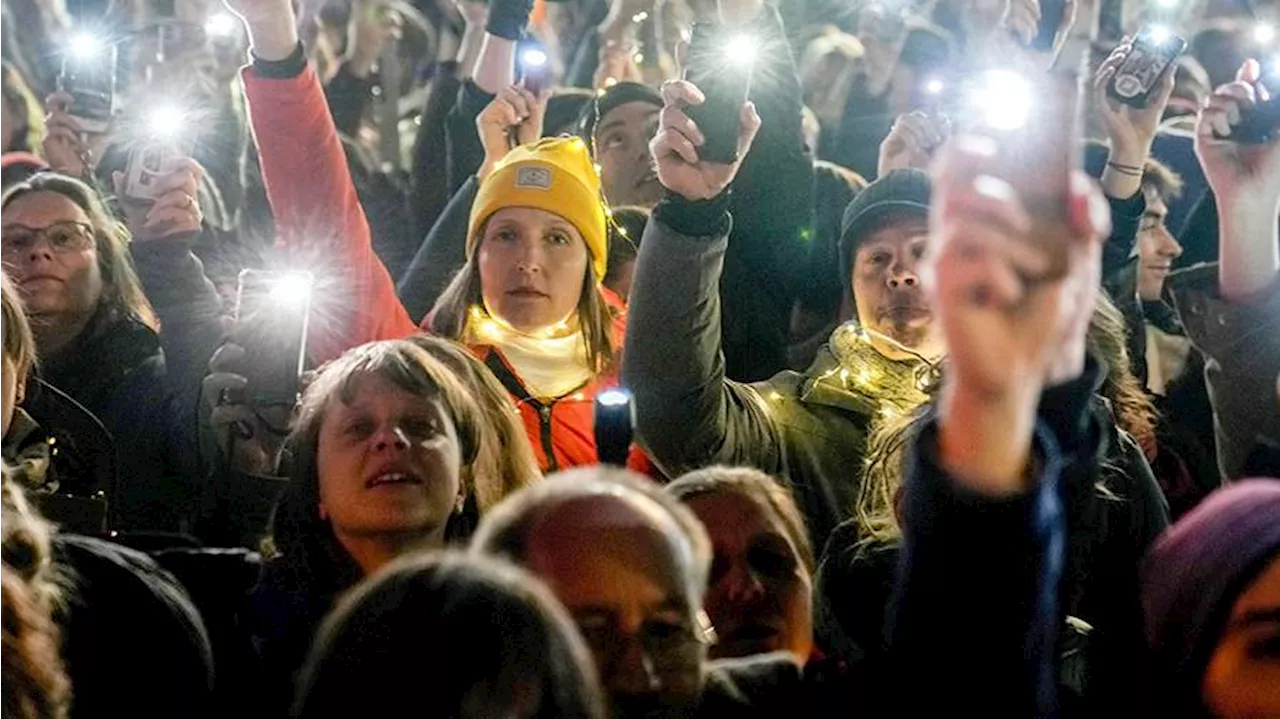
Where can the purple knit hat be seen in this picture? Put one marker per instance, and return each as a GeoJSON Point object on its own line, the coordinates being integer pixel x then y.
{"type": "Point", "coordinates": [1196, 570]}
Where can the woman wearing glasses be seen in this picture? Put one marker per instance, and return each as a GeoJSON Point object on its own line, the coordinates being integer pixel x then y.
{"type": "Point", "coordinates": [96, 333]}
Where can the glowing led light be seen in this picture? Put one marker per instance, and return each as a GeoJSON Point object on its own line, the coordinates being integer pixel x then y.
{"type": "Point", "coordinates": [1003, 98]}
{"type": "Point", "coordinates": [609, 82]}
{"type": "Point", "coordinates": [221, 25]}
{"type": "Point", "coordinates": [292, 290]}
{"type": "Point", "coordinates": [1159, 34]}
{"type": "Point", "coordinates": [640, 16]}
{"type": "Point", "coordinates": [533, 57]}
{"type": "Point", "coordinates": [166, 122]}
{"type": "Point", "coordinates": [85, 46]}
{"type": "Point", "coordinates": [1167, 3]}
{"type": "Point", "coordinates": [1264, 33]}
{"type": "Point", "coordinates": [934, 86]}
{"type": "Point", "coordinates": [741, 50]}
{"type": "Point", "coordinates": [615, 397]}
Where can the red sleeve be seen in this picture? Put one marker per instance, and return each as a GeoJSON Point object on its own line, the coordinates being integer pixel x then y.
{"type": "Point", "coordinates": [320, 225]}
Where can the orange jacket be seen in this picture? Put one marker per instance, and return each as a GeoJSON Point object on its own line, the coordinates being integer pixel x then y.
{"type": "Point", "coordinates": [321, 226]}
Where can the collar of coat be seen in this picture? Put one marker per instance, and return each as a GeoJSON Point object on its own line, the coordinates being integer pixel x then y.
{"type": "Point", "coordinates": [850, 374]}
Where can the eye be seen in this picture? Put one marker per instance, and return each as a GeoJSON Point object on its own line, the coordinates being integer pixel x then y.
{"type": "Point", "coordinates": [559, 238]}
{"type": "Point", "coordinates": [357, 428]}
{"type": "Point", "coordinates": [879, 258]}
{"type": "Point", "coordinates": [918, 251]}
{"type": "Point", "coordinates": [614, 140]}
{"type": "Point", "coordinates": [505, 234]}
{"type": "Point", "coordinates": [771, 562]}
{"type": "Point", "coordinates": [420, 427]}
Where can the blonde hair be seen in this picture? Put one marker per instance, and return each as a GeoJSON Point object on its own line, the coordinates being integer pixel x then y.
{"type": "Point", "coordinates": [505, 462]}
{"type": "Point", "coordinates": [122, 295]}
{"type": "Point", "coordinates": [19, 344]}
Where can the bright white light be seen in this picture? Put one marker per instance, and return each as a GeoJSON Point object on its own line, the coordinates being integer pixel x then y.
{"type": "Point", "coordinates": [166, 122]}
{"type": "Point", "coordinates": [614, 397]}
{"type": "Point", "coordinates": [220, 25]}
{"type": "Point", "coordinates": [934, 86]}
{"type": "Point", "coordinates": [85, 46]}
{"type": "Point", "coordinates": [1264, 33]}
{"type": "Point", "coordinates": [741, 50]}
{"type": "Point", "coordinates": [292, 290]}
{"type": "Point", "coordinates": [1167, 3]}
{"type": "Point", "coordinates": [533, 57]}
{"type": "Point", "coordinates": [1003, 99]}
{"type": "Point", "coordinates": [1159, 34]}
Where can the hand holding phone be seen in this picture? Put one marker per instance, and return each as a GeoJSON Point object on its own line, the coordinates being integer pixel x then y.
{"type": "Point", "coordinates": [88, 78]}
{"type": "Point", "coordinates": [1142, 64]}
{"type": "Point", "coordinates": [720, 66]}
{"type": "Point", "coordinates": [1259, 123]}
{"type": "Point", "coordinates": [272, 311]}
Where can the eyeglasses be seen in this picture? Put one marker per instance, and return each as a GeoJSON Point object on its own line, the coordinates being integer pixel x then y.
{"type": "Point", "coordinates": [63, 237]}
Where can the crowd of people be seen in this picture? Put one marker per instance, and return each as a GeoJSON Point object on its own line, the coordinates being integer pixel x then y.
{"type": "Point", "coordinates": [640, 358]}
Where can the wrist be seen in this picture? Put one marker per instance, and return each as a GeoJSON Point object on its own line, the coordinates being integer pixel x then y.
{"type": "Point", "coordinates": [273, 36]}
{"type": "Point", "coordinates": [984, 441]}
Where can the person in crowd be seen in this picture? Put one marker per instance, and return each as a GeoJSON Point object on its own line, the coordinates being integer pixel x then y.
{"type": "Point", "coordinates": [132, 642]}
{"type": "Point", "coordinates": [619, 126]}
{"type": "Point", "coordinates": [760, 595]}
{"type": "Point", "coordinates": [807, 427]}
{"type": "Point", "coordinates": [1229, 311]}
{"type": "Point", "coordinates": [35, 685]}
{"type": "Point", "coordinates": [1115, 510]}
{"type": "Point", "coordinates": [625, 234]}
{"type": "Point", "coordinates": [1211, 592]}
{"type": "Point", "coordinates": [512, 649]}
{"type": "Point", "coordinates": [631, 565]}
{"type": "Point", "coordinates": [375, 465]}
{"type": "Point", "coordinates": [23, 119]}
{"type": "Point", "coordinates": [529, 299]}
{"type": "Point", "coordinates": [97, 335]}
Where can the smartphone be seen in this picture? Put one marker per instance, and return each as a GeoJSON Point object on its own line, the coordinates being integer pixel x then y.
{"type": "Point", "coordinates": [614, 426]}
{"type": "Point", "coordinates": [1038, 156]}
{"type": "Point", "coordinates": [1052, 13]}
{"type": "Point", "coordinates": [1154, 50]}
{"type": "Point", "coordinates": [272, 311]}
{"type": "Point", "coordinates": [1258, 124]}
{"type": "Point", "coordinates": [725, 81]}
{"type": "Point", "coordinates": [148, 162]}
{"type": "Point", "coordinates": [534, 71]}
{"type": "Point", "coordinates": [90, 80]}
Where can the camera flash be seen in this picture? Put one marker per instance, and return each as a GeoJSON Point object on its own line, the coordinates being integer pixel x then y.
{"type": "Point", "coordinates": [741, 50]}
{"type": "Point", "coordinates": [1264, 33]}
{"type": "Point", "coordinates": [533, 57]}
{"type": "Point", "coordinates": [165, 122]}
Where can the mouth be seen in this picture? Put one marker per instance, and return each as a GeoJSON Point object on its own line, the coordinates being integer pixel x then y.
{"type": "Point", "coordinates": [527, 293]}
{"type": "Point", "coordinates": [907, 312]}
{"type": "Point", "coordinates": [41, 278]}
{"type": "Point", "coordinates": [391, 479]}
{"type": "Point", "coordinates": [747, 640]}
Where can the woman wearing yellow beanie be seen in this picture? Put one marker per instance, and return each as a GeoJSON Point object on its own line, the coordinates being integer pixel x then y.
{"type": "Point", "coordinates": [529, 300]}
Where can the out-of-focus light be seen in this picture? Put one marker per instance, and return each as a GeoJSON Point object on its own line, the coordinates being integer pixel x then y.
{"type": "Point", "coordinates": [1264, 33]}
{"type": "Point", "coordinates": [615, 397]}
{"type": "Point", "coordinates": [166, 122]}
{"type": "Point", "coordinates": [741, 50]}
{"type": "Point", "coordinates": [85, 46]}
{"type": "Point", "coordinates": [1002, 98]}
{"type": "Point", "coordinates": [220, 25]}
{"type": "Point", "coordinates": [934, 86]}
{"type": "Point", "coordinates": [292, 290]}
{"type": "Point", "coordinates": [1167, 3]}
{"type": "Point", "coordinates": [533, 57]}
{"type": "Point", "coordinates": [640, 16]}
{"type": "Point", "coordinates": [1159, 34]}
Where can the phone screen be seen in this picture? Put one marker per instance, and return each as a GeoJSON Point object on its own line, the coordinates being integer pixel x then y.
{"type": "Point", "coordinates": [272, 310]}
{"type": "Point", "coordinates": [1153, 51]}
{"type": "Point", "coordinates": [91, 83]}
{"type": "Point", "coordinates": [725, 80]}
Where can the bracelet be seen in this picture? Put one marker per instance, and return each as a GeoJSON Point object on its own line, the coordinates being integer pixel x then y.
{"type": "Point", "coordinates": [1130, 170]}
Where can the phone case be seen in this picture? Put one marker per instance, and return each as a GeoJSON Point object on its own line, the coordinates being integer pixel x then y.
{"type": "Point", "coordinates": [148, 161]}
{"type": "Point", "coordinates": [1143, 67]}
{"type": "Point", "coordinates": [91, 83]}
{"type": "Point", "coordinates": [273, 332]}
{"type": "Point", "coordinates": [726, 85]}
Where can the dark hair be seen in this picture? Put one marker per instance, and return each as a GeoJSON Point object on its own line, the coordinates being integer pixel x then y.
{"type": "Point", "coordinates": [764, 491]}
{"type": "Point", "coordinates": [122, 295]}
{"type": "Point", "coordinates": [625, 232]}
{"type": "Point", "coordinates": [472, 636]}
{"type": "Point", "coordinates": [504, 532]}
{"type": "Point", "coordinates": [1161, 179]}
{"type": "Point", "coordinates": [300, 538]}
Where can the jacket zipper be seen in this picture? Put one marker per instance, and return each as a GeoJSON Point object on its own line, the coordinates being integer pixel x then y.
{"type": "Point", "coordinates": [544, 414]}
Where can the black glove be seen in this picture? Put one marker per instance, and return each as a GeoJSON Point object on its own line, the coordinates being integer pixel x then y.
{"type": "Point", "coordinates": [508, 18]}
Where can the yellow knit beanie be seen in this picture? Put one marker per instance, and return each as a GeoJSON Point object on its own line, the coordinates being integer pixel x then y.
{"type": "Point", "coordinates": [553, 174]}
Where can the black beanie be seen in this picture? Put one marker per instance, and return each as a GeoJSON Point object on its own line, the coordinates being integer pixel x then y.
{"type": "Point", "coordinates": [902, 193]}
{"type": "Point", "coordinates": [619, 94]}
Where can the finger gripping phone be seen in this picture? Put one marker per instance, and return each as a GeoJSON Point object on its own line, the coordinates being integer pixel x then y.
{"type": "Point", "coordinates": [717, 65]}
{"type": "Point", "coordinates": [90, 79]}
{"type": "Point", "coordinates": [272, 311]}
{"type": "Point", "coordinates": [1152, 54]}
{"type": "Point", "coordinates": [1259, 123]}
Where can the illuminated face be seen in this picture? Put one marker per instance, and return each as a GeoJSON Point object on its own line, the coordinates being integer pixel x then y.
{"type": "Point", "coordinates": [51, 255]}
{"type": "Point", "coordinates": [1242, 679]}
{"type": "Point", "coordinates": [1157, 249]}
{"type": "Point", "coordinates": [886, 289]}
{"type": "Point", "coordinates": [532, 268]}
{"type": "Point", "coordinates": [622, 149]}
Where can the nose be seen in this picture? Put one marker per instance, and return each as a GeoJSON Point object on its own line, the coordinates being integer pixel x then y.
{"type": "Point", "coordinates": [390, 437]}
{"type": "Point", "coordinates": [903, 274]}
{"type": "Point", "coordinates": [742, 584]}
{"type": "Point", "coordinates": [529, 260]}
{"type": "Point", "coordinates": [1169, 245]}
{"type": "Point", "coordinates": [633, 672]}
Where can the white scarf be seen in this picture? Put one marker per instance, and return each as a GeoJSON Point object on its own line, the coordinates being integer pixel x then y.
{"type": "Point", "coordinates": [549, 367]}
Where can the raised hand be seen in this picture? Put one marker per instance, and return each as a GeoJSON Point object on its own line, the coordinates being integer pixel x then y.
{"type": "Point", "coordinates": [675, 147]}
{"type": "Point", "coordinates": [175, 210]}
{"type": "Point", "coordinates": [514, 110]}
{"type": "Point", "coordinates": [249, 437]}
{"type": "Point", "coordinates": [912, 142]}
{"type": "Point", "coordinates": [272, 26]}
{"type": "Point", "coordinates": [68, 148]}
{"type": "Point", "coordinates": [1234, 169]}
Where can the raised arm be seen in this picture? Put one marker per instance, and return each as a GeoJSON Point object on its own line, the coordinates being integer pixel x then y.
{"type": "Point", "coordinates": [687, 414]}
{"type": "Point", "coordinates": [320, 223]}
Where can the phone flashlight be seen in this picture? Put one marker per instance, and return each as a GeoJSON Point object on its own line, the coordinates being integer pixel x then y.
{"type": "Point", "coordinates": [741, 50]}
{"type": "Point", "coordinates": [614, 426]}
{"type": "Point", "coordinates": [1159, 34]}
{"type": "Point", "coordinates": [1001, 99]}
{"type": "Point", "coordinates": [934, 86]}
{"type": "Point", "coordinates": [166, 122]}
{"type": "Point", "coordinates": [85, 46]}
{"type": "Point", "coordinates": [220, 25]}
{"type": "Point", "coordinates": [272, 311]}
{"type": "Point", "coordinates": [1264, 33]}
